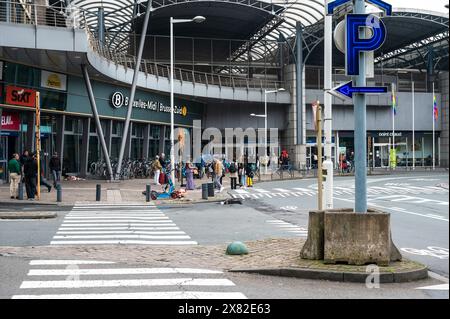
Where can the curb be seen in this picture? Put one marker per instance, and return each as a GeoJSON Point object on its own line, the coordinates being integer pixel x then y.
{"type": "Point", "coordinates": [33, 215]}
{"type": "Point", "coordinates": [355, 277]}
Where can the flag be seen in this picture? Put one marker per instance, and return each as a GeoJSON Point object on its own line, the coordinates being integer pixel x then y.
{"type": "Point", "coordinates": [435, 108]}
{"type": "Point", "coordinates": [394, 103]}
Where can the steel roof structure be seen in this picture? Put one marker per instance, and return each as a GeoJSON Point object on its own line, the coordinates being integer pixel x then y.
{"type": "Point", "coordinates": [416, 39]}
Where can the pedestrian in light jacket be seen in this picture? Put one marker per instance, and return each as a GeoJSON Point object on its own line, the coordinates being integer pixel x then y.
{"type": "Point", "coordinates": [14, 176]}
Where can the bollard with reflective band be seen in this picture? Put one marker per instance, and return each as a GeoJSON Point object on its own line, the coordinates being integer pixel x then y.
{"type": "Point", "coordinates": [148, 191]}
{"type": "Point", "coordinates": [20, 191]}
{"type": "Point", "coordinates": [58, 193]}
{"type": "Point", "coordinates": [98, 192]}
{"type": "Point", "coordinates": [210, 189]}
{"type": "Point", "coordinates": [205, 191]}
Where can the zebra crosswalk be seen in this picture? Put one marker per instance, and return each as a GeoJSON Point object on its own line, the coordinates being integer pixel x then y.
{"type": "Point", "coordinates": [119, 224]}
{"type": "Point", "coordinates": [92, 279]}
{"type": "Point", "coordinates": [259, 193]}
{"type": "Point", "coordinates": [288, 227]}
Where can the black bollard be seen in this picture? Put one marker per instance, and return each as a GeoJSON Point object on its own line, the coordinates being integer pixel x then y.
{"type": "Point", "coordinates": [147, 192]}
{"type": "Point", "coordinates": [210, 189]}
{"type": "Point", "coordinates": [98, 193]}
{"type": "Point", "coordinates": [21, 191]}
{"type": "Point", "coordinates": [204, 191]}
{"type": "Point", "coordinates": [58, 193]}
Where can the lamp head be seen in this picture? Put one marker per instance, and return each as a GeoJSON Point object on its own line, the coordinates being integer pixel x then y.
{"type": "Point", "coordinates": [199, 19]}
{"type": "Point", "coordinates": [253, 114]}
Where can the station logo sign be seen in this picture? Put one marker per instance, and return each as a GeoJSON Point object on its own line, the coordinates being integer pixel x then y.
{"type": "Point", "coordinates": [20, 96]}
{"type": "Point", "coordinates": [118, 100]}
{"type": "Point", "coordinates": [55, 81]}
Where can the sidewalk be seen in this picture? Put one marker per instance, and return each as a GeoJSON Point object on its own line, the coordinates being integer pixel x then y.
{"type": "Point", "coordinates": [272, 256]}
{"type": "Point", "coordinates": [127, 191]}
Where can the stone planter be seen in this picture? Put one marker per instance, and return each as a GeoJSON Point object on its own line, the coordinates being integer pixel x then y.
{"type": "Point", "coordinates": [340, 235]}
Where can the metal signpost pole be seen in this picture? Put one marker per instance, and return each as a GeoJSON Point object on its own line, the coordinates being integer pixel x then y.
{"type": "Point", "coordinates": [319, 156]}
{"type": "Point", "coordinates": [327, 65]}
{"type": "Point", "coordinates": [359, 102]}
{"type": "Point", "coordinates": [38, 144]}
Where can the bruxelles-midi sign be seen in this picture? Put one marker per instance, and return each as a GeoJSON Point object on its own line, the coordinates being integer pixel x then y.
{"type": "Point", "coordinates": [118, 100]}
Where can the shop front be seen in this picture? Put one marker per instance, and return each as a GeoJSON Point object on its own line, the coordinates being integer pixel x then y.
{"type": "Point", "coordinates": [67, 125]}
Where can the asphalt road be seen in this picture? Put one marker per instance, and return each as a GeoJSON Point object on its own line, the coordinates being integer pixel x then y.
{"type": "Point", "coordinates": [418, 204]}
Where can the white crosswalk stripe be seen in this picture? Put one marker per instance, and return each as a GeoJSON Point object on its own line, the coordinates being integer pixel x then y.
{"type": "Point", "coordinates": [288, 227]}
{"type": "Point", "coordinates": [119, 224]}
{"type": "Point", "coordinates": [115, 282]}
{"type": "Point", "coordinates": [259, 193]}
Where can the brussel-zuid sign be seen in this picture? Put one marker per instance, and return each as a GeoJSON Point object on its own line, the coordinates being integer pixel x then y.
{"type": "Point", "coordinates": [354, 44]}
{"type": "Point", "coordinates": [118, 100]}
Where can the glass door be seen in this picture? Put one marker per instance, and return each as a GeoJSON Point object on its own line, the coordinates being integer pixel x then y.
{"type": "Point", "coordinates": [381, 155]}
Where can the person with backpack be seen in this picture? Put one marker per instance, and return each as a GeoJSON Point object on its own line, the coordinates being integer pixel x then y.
{"type": "Point", "coordinates": [250, 174]}
{"type": "Point", "coordinates": [233, 169]}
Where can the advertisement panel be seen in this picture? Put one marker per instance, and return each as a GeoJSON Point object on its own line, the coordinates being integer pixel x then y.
{"type": "Point", "coordinates": [20, 96]}
{"type": "Point", "coordinates": [52, 80]}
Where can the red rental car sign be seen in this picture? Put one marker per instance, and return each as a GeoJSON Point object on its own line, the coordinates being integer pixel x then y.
{"type": "Point", "coordinates": [20, 96]}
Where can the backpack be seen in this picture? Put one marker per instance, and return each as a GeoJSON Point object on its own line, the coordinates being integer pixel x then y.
{"type": "Point", "coordinates": [232, 168]}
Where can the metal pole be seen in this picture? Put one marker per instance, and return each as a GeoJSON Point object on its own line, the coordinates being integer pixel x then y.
{"type": "Point", "coordinates": [327, 85]}
{"type": "Point", "coordinates": [265, 132]}
{"type": "Point", "coordinates": [38, 144]}
{"type": "Point", "coordinates": [97, 118]}
{"type": "Point", "coordinates": [319, 157]}
{"type": "Point", "coordinates": [299, 81]}
{"type": "Point", "coordinates": [133, 88]}
{"type": "Point", "coordinates": [393, 126]}
{"type": "Point", "coordinates": [434, 158]}
{"type": "Point", "coordinates": [172, 148]}
{"type": "Point", "coordinates": [413, 132]}
{"type": "Point", "coordinates": [359, 102]}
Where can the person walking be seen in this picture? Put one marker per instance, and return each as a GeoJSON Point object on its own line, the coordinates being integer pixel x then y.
{"type": "Point", "coordinates": [55, 169]}
{"type": "Point", "coordinates": [233, 169]}
{"type": "Point", "coordinates": [241, 174]}
{"type": "Point", "coordinates": [14, 176]}
{"type": "Point", "coordinates": [30, 169]}
{"type": "Point", "coordinates": [217, 174]}
{"type": "Point", "coordinates": [189, 170]}
{"type": "Point", "coordinates": [157, 167]}
{"type": "Point", "coordinates": [42, 180]}
{"type": "Point", "coordinates": [250, 174]}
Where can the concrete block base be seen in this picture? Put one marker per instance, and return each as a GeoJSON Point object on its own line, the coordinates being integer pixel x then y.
{"type": "Point", "coordinates": [342, 236]}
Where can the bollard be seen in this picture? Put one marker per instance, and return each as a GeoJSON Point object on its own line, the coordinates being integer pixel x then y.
{"type": "Point", "coordinates": [98, 193]}
{"type": "Point", "coordinates": [204, 191]}
{"type": "Point", "coordinates": [148, 191]}
{"type": "Point", "coordinates": [20, 191]}
{"type": "Point", "coordinates": [210, 189]}
{"type": "Point", "coordinates": [58, 193]}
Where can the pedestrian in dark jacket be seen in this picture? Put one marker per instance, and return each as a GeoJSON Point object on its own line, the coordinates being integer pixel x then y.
{"type": "Point", "coordinates": [55, 169]}
{"type": "Point", "coordinates": [30, 169]}
{"type": "Point", "coordinates": [23, 158]}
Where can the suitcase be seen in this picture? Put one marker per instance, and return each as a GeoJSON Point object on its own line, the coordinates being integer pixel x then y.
{"type": "Point", "coordinates": [162, 178]}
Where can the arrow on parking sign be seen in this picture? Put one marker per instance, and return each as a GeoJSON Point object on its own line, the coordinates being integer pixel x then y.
{"type": "Point", "coordinates": [347, 90]}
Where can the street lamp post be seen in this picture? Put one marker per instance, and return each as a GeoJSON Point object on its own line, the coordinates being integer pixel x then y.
{"type": "Point", "coordinates": [265, 124]}
{"type": "Point", "coordinates": [197, 19]}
